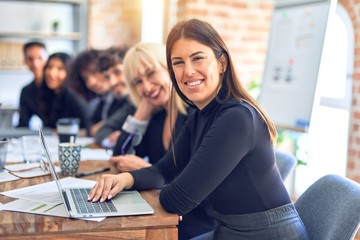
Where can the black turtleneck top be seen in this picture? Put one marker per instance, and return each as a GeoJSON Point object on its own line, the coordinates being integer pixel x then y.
{"type": "Point", "coordinates": [223, 155]}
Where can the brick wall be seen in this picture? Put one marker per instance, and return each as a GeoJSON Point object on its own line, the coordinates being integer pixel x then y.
{"type": "Point", "coordinates": [113, 23]}
{"type": "Point", "coordinates": [353, 165]}
{"type": "Point", "coordinates": [244, 25]}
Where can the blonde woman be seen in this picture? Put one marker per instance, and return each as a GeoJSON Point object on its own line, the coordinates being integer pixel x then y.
{"type": "Point", "coordinates": [146, 136]}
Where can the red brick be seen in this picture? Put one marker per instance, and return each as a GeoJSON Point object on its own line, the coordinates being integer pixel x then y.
{"type": "Point", "coordinates": [356, 115]}
{"type": "Point", "coordinates": [351, 165]}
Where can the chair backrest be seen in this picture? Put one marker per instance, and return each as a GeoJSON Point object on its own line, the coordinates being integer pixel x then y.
{"type": "Point", "coordinates": [286, 163]}
{"type": "Point", "coordinates": [330, 208]}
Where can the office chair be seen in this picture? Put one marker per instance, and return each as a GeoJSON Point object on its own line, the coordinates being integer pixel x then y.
{"type": "Point", "coordinates": [286, 163]}
{"type": "Point", "coordinates": [330, 208]}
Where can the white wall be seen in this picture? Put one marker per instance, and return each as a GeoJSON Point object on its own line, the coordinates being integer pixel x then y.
{"type": "Point", "coordinates": [11, 83]}
{"type": "Point", "coordinates": [34, 16]}
{"type": "Point", "coordinates": [25, 17]}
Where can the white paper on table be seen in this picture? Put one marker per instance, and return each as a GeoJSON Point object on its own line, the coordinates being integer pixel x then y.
{"type": "Point", "coordinates": [84, 141]}
{"type": "Point", "coordinates": [48, 192]}
{"type": "Point", "coordinates": [21, 205]}
{"type": "Point", "coordinates": [95, 154]}
{"type": "Point", "coordinates": [6, 176]}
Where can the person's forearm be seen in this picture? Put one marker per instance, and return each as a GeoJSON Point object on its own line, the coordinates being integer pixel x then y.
{"type": "Point", "coordinates": [144, 111]}
{"type": "Point", "coordinates": [95, 127]}
{"type": "Point", "coordinates": [142, 115]}
{"type": "Point", "coordinates": [129, 180]}
{"type": "Point", "coordinates": [102, 134]}
{"type": "Point", "coordinates": [133, 125]}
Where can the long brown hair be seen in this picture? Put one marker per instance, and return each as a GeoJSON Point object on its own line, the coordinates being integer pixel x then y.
{"type": "Point", "coordinates": [204, 33]}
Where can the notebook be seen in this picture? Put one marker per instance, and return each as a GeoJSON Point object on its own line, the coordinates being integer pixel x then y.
{"type": "Point", "coordinates": [125, 203]}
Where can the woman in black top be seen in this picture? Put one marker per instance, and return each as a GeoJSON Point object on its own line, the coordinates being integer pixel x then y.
{"type": "Point", "coordinates": [224, 154]}
{"type": "Point", "coordinates": [147, 133]}
{"type": "Point", "coordinates": [55, 100]}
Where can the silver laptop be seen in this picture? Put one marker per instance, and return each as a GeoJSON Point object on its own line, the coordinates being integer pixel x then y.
{"type": "Point", "coordinates": [125, 203]}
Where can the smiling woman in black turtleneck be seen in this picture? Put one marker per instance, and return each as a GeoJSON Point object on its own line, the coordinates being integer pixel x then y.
{"type": "Point", "coordinates": [224, 155]}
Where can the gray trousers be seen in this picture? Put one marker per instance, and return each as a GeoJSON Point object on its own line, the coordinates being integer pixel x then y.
{"type": "Point", "coordinates": [278, 223]}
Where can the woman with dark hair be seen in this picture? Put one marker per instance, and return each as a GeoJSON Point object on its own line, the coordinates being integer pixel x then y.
{"type": "Point", "coordinates": [55, 100]}
{"type": "Point", "coordinates": [159, 114]}
{"type": "Point", "coordinates": [81, 68]}
{"type": "Point", "coordinates": [224, 154]}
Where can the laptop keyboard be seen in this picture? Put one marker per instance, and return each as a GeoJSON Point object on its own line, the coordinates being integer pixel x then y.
{"type": "Point", "coordinates": [82, 205]}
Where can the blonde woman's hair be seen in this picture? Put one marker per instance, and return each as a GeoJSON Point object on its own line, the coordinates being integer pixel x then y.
{"type": "Point", "coordinates": [142, 56]}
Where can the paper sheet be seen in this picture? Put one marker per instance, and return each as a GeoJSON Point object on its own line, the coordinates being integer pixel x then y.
{"type": "Point", "coordinates": [48, 192]}
{"type": "Point", "coordinates": [95, 154]}
{"type": "Point", "coordinates": [21, 205]}
{"type": "Point", "coordinates": [84, 141]}
{"type": "Point", "coordinates": [6, 176]}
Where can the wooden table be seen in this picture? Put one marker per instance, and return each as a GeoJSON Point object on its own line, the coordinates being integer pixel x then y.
{"type": "Point", "coordinates": [17, 225]}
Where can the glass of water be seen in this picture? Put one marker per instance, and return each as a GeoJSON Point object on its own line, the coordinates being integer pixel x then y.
{"type": "Point", "coordinates": [31, 149]}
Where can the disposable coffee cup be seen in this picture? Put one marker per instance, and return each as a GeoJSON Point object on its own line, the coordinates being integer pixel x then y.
{"type": "Point", "coordinates": [67, 128]}
{"type": "Point", "coordinates": [3, 152]}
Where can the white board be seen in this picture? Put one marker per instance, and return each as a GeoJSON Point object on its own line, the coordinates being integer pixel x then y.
{"type": "Point", "coordinates": [293, 61]}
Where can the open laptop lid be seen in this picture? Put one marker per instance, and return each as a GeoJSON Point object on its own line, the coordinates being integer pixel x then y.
{"type": "Point", "coordinates": [52, 169]}
{"type": "Point", "coordinates": [127, 203]}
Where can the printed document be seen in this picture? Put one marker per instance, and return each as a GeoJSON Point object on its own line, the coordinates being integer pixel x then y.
{"type": "Point", "coordinates": [48, 192]}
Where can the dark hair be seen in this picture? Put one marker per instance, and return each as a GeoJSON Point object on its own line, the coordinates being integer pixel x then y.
{"type": "Point", "coordinates": [205, 34]}
{"type": "Point", "coordinates": [64, 57]}
{"type": "Point", "coordinates": [83, 62]}
{"type": "Point", "coordinates": [110, 57]}
{"type": "Point", "coordinates": [33, 43]}
{"type": "Point", "coordinates": [48, 105]}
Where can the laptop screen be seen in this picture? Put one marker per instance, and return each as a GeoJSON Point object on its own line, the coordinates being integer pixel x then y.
{"type": "Point", "coordinates": [51, 165]}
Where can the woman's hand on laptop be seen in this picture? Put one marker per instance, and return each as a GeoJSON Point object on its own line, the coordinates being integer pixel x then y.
{"type": "Point", "coordinates": [109, 185]}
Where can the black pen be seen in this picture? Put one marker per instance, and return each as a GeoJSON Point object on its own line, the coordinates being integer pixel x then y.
{"type": "Point", "coordinates": [91, 173]}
